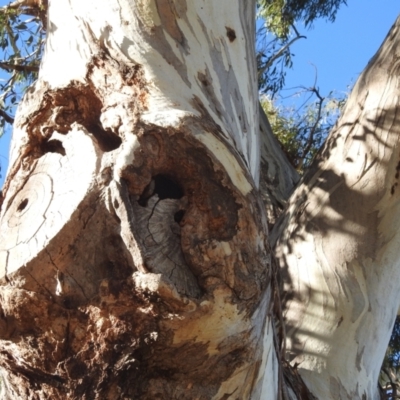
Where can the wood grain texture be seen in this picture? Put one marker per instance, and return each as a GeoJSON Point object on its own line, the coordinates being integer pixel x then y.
{"type": "Point", "coordinates": [134, 237]}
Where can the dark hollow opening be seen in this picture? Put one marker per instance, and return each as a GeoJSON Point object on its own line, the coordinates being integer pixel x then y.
{"type": "Point", "coordinates": [22, 205]}
{"type": "Point", "coordinates": [108, 141]}
{"type": "Point", "coordinates": [230, 33]}
{"type": "Point", "coordinates": [166, 188]}
{"type": "Point", "coordinates": [54, 146]}
{"type": "Point", "coordinates": [179, 216]}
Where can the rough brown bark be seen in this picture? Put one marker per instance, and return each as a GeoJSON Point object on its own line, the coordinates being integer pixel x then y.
{"type": "Point", "coordinates": [116, 299]}
{"type": "Point", "coordinates": [133, 251]}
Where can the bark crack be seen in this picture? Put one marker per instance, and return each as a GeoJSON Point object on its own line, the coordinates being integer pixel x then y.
{"type": "Point", "coordinates": [60, 274]}
{"type": "Point", "coordinates": [40, 285]}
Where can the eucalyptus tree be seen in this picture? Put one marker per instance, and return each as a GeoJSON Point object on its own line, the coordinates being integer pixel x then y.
{"type": "Point", "coordinates": [281, 23]}
{"type": "Point", "coordinates": [135, 256]}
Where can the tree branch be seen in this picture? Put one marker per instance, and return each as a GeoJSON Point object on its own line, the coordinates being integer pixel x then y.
{"type": "Point", "coordinates": [35, 8]}
{"type": "Point", "coordinates": [6, 117]}
{"type": "Point", "coordinates": [28, 4]}
{"type": "Point", "coordinates": [279, 53]}
{"type": "Point", "coordinates": [314, 127]}
{"type": "Point", "coordinates": [19, 67]}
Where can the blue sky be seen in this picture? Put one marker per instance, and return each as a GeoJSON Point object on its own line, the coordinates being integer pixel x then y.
{"type": "Point", "coordinates": [339, 51]}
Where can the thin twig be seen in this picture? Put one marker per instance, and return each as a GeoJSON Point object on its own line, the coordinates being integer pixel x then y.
{"type": "Point", "coordinates": [279, 53]}
{"type": "Point", "coordinates": [313, 129]}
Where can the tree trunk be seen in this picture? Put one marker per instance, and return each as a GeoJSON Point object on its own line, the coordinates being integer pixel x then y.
{"type": "Point", "coordinates": [134, 253]}
{"type": "Point", "coordinates": [338, 242]}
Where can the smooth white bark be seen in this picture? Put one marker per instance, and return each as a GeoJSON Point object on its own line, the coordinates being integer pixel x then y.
{"type": "Point", "coordinates": [339, 242]}
{"type": "Point", "coordinates": [91, 249]}
{"type": "Point", "coordinates": [190, 52]}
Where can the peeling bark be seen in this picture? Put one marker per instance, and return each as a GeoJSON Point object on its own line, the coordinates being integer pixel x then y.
{"type": "Point", "coordinates": [133, 246]}
{"type": "Point", "coordinates": [134, 252]}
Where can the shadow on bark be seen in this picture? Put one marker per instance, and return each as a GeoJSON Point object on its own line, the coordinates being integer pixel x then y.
{"type": "Point", "coordinates": [333, 242]}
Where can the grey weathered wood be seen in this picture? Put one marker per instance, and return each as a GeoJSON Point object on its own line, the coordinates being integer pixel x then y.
{"type": "Point", "coordinates": [127, 288]}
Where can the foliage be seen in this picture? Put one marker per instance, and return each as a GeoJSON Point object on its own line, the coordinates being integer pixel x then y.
{"type": "Point", "coordinates": [277, 33]}
{"type": "Point", "coordinates": [302, 131]}
{"type": "Point", "coordinates": [273, 59]}
{"type": "Point", "coordinates": [21, 46]}
{"type": "Point", "coordinates": [393, 354]}
{"type": "Point", "coordinates": [390, 372]}
{"type": "Point", "coordinates": [280, 15]}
